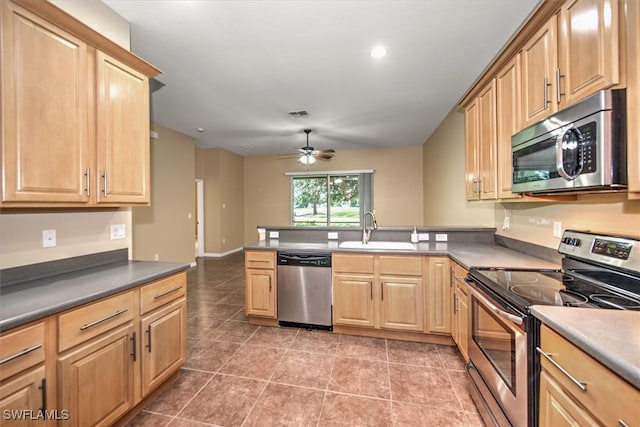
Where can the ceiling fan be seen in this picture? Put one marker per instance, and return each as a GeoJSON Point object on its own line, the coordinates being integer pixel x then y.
{"type": "Point", "coordinates": [307, 155]}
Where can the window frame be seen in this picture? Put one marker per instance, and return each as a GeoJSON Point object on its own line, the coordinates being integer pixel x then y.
{"type": "Point", "coordinates": [365, 190]}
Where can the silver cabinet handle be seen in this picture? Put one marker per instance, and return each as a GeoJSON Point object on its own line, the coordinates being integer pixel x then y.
{"type": "Point", "coordinates": [558, 93]}
{"type": "Point", "coordinates": [105, 190]}
{"type": "Point", "coordinates": [382, 291]}
{"type": "Point", "coordinates": [546, 93]}
{"type": "Point", "coordinates": [148, 331]}
{"type": "Point", "coordinates": [269, 283]}
{"type": "Point", "coordinates": [87, 181]}
{"type": "Point", "coordinates": [622, 423]}
{"type": "Point", "coordinates": [371, 288]}
{"type": "Point", "coordinates": [455, 304]}
{"type": "Point", "coordinates": [135, 352]}
{"type": "Point", "coordinates": [95, 322]}
{"type": "Point", "coordinates": [581, 384]}
{"type": "Point", "coordinates": [164, 294]}
{"type": "Point", "coordinates": [20, 354]}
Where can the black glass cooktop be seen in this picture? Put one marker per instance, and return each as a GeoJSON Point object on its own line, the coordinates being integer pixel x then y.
{"type": "Point", "coordinates": [552, 287]}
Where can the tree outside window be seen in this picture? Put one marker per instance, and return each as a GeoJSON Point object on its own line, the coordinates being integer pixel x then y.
{"type": "Point", "coordinates": [328, 200]}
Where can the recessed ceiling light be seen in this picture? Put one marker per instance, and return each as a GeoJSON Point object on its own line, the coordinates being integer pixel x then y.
{"type": "Point", "coordinates": [378, 52]}
{"type": "Point", "coordinates": [200, 129]}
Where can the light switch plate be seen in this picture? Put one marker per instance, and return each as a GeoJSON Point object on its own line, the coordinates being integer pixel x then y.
{"type": "Point", "coordinates": [118, 231]}
{"type": "Point", "coordinates": [441, 237]}
{"type": "Point", "coordinates": [274, 234]}
{"type": "Point", "coordinates": [557, 229]}
{"type": "Point", "coordinates": [423, 237]}
{"type": "Point", "coordinates": [332, 235]}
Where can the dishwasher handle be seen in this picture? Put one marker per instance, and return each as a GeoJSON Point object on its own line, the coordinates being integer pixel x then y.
{"type": "Point", "coordinates": [304, 259]}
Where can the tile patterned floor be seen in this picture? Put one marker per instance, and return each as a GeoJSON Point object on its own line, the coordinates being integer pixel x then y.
{"type": "Point", "coordinates": [238, 374]}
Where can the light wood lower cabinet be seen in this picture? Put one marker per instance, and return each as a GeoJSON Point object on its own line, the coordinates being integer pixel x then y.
{"type": "Point", "coordinates": [460, 309]}
{"type": "Point", "coordinates": [260, 284]}
{"type": "Point", "coordinates": [164, 344]}
{"type": "Point", "coordinates": [438, 306]}
{"type": "Point", "coordinates": [576, 389]}
{"type": "Point", "coordinates": [96, 379]}
{"type": "Point", "coordinates": [23, 379]}
{"type": "Point", "coordinates": [379, 291]}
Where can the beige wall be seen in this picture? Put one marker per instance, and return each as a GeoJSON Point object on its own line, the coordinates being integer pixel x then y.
{"type": "Point", "coordinates": [78, 232]}
{"type": "Point", "coordinates": [167, 227]}
{"type": "Point", "coordinates": [222, 173]}
{"type": "Point", "coordinates": [444, 179]}
{"type": "Point", "coordinates": [397, 186]}
{"type": "Point", "coordinates": [445, 204]}
{"type": "Point", "coordinates": [100, 17]}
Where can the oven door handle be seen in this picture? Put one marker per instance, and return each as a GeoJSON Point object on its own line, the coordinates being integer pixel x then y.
{"type": "Point", "coordinates": [511, 317]}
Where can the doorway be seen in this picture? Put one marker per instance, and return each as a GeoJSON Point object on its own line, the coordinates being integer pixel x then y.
{"type": "Point", "coordinates": [199, 238]}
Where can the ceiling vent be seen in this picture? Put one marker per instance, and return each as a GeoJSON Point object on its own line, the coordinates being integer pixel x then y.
{"type": "Point", "coordinates": [302, 114]}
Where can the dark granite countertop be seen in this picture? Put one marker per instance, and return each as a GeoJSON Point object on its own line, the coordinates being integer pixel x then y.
{"type": "Point", "coordinates": [31, 300]}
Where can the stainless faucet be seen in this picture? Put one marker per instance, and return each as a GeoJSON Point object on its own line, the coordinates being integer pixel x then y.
{"type": "Point", "coordinates": [366, 231]}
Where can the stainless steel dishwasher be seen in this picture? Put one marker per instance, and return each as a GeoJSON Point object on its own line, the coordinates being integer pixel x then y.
{"type": "Point", "coordinates": [304, 290]}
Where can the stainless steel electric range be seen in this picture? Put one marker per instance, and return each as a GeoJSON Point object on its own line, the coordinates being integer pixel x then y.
{"type": "Point", "coordinates": [598, 271]}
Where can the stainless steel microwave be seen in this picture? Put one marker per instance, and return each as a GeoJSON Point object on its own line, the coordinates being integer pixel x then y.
{"type": "Point", "coordinates": [580, 148]}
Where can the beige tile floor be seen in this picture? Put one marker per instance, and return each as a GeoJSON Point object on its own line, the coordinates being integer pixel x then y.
{"type": "Point", "coordinates": [238, 374]}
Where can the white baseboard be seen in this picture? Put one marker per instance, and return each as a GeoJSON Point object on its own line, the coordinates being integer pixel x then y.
{"type": "Point", "coordinates": [220, 255]}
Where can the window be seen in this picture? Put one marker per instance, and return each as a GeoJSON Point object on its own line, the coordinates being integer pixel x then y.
{"type": "Point", "coordinates": [330, 199]}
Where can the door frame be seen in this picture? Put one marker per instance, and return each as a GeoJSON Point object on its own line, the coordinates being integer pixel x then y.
{"type": "Point", "coordinates": [200, 217]}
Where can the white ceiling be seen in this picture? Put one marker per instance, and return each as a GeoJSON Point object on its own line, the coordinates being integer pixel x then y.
{"type": "Point", "coordinates": [235, 68]}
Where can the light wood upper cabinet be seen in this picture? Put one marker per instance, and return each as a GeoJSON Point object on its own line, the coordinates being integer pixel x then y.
{"type": "Point", "coordinates": [45, 95]}
{"type": "Point", "coordinates": [632, 8]}
{"type": "Point", "coordinates": [588, 49]}
{"type": "Point", "coordinates": [539, 64]}
{"type": "Point", "coordinates": [507, 123]}
{"type": "Point", "coordinates": [122, 123]}
{"type": "Point", "coordinates": [480, 143]}
{"type": "Point", "coordinates": [75, 113]}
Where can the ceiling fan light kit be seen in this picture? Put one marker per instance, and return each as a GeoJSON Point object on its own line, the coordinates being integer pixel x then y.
{"type": "Point", "coordinates": [308, 155]}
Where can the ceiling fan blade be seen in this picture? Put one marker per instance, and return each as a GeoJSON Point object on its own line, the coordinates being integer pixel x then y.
{"type": "Point", "coordinates": [323, 156]}
{"type": "Point", "coordinates": [288, 156]}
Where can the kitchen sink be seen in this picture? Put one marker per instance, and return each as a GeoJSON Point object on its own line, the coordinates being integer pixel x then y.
{"type": "Point", "coordinates": [355, 244]}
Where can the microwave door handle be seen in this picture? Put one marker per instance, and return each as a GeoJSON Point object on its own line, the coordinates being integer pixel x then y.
{"type": "Point", "coordinates": [560, 159]}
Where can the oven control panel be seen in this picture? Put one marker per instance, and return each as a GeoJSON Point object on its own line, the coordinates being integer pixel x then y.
{"type": "Point", "coordinates": [612, 249]}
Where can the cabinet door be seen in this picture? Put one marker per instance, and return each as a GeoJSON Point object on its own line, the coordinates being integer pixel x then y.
{"type": "Point", "coordinates": [164, 346]}
{"type": "Point", "coordinates": [45, 140]}
{"type": "Point", "coordinates": [22, 398]}
{"type": "Point", "coordinates": [487, 141]}
{"type": "Point", "coordinates": [401, 305]}
{"type": "Point", "coordinates": [632, 8]}
{"type": "Point", "coordinates": [539, 64]}
{"type": "Point", "coordinates": [588, 48]}
{"type": "Point", "coordinates": [122, 132]}
{"type": "Point", "coordinates": [438, 296]}
{"type": "Point", "coordinates": [557, 409]}
{"type": "Point", "coordinates": [353, 300]}
{"type": "Point", "coordinates": [471, 129]}
{"type": "Point", "coordinates": [261, 292]}
{"type": "Point", "coordinates": [508, 88]}
{"type": "Point", "coordinates": [95, 381]}
{"type": "Point", "coordinates": [462, 320]}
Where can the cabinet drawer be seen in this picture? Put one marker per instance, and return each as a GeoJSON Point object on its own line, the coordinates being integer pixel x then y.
{"type": "Point", "coordinates": [401, 265]}
{"type": "Point", "coordinates": [607, 396]}
{"type": "Point", "coordinates": [260, 259]}
{"type": "Point", "coordinates": [92, 320]}
{"type": "Point", "coordinates": [21, 349]}
{"type": "Point", "coordinates": [353, 263]}
{"type": "Point", "coordinates": [163, 291]}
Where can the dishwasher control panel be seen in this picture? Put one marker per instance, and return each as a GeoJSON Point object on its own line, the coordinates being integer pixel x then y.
{"type": "Point", "coordinates": [304, 259]}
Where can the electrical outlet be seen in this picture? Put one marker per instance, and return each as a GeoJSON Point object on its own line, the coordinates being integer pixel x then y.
{"type": "Point", "coordinates": [423, 237]}
{"type": "Point", "coordinates": [117, 231]}
{"type": "Point", "coordinates": [48, 238]}
{"type": "Point", "coordinates": [274, 234]}
{"type": "Point", "coordinates": [441, 237]}
{"type": "Point", "coordinates": [557, 229]}
{"type": "Point", "coordinates": [156, 257]}
{"type": "Point", "coordinates": [332, 235]}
